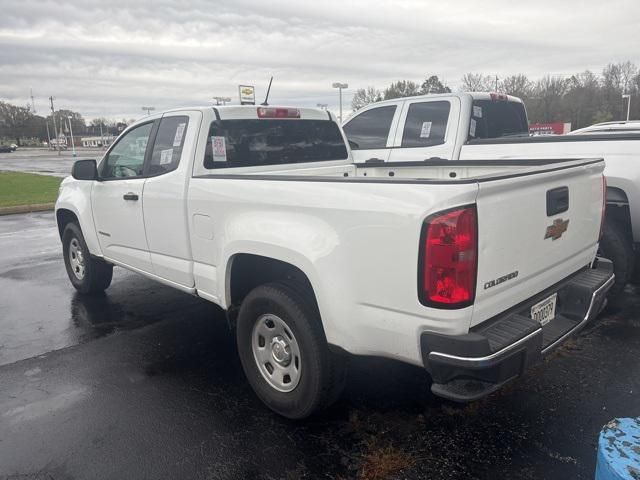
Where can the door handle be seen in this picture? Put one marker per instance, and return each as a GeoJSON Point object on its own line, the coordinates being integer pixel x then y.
{"type": "Point", "coordinates": [131, 196]}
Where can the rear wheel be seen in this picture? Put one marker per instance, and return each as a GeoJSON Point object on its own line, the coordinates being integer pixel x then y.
{"type": "Point", "coordinates": [86, 273]}
{"type": "Point", "coordinates": [615, 246]}
{"type": "Point", "coordinates": [284, 352]}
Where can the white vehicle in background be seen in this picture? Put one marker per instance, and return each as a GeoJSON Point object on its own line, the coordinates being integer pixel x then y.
{"type": "Point", "coordinates": [629, 126]}
{"type": "Point", "coordinates": [473, 271]}
{"type": "Point", "coordinates": [467, 127]}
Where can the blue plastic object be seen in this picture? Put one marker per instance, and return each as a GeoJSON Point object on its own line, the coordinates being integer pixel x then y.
{"type": "Point", "coordinates": [619, 450]}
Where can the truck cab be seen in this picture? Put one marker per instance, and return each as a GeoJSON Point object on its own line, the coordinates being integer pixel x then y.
{"type": "Point", "coordinates": [432, 126]}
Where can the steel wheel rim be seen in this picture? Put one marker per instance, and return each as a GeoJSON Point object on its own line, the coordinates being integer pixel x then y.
{"type": "Point", "coordinates": [276, 353]}
{"type": "Point", "coordinates": [76, 258]}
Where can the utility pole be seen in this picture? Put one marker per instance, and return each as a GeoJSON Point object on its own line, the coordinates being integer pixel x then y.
{"type": "Point", "coordinates": [340, 87]}
{"type": "Point", "coordinates": [55, 127]}
{"type": "Point", "coordinates": [73, 145]}
{"type": "Point", "coordinates": [48, 134]}
{"type": "Point", "coordinates": [33, 104]}
{"type": "Point", "coordinates": [148, 110]}
{"type": "Point", "coordinates": [496, 83]}
{"type": "Point", "coordinates": [322, 106]}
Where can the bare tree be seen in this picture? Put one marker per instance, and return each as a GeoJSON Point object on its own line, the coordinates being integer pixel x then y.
{"type": "Point", "coordinates": [517, 85]}
{"type": "Point", "coordinates": [365, 96]}
{"type": "Point", "coordinates": [477, 82]}
{"type": "Point", "coordinates": [549, 93]}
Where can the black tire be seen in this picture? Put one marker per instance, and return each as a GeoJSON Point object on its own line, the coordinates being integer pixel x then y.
{"type": "Point", "coordinates": [615, 246]}
{"type": "Point", "coordinates": [322, 372]}
{"type": "Point", "coordinates": [97, 273]}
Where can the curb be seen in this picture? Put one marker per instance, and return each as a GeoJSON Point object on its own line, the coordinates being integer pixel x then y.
{"type": "Point", "coordinates": [38, 207]}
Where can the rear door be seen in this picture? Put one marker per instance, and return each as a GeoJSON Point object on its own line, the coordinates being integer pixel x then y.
{"type": "Point", "coordinates": [117, 200]}
{"type": "Point", "coordinates": [534, 230]}
{"type": "Point", "coordinates": [426, 130]}
{"type": "Point", "coordinates": [371, 131]}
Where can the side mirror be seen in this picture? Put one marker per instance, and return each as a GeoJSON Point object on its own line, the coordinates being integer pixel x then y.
{"type": "Point", "coordinates": [85, 170]}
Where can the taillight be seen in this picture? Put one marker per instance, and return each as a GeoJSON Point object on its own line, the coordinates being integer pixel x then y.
{"type": "Point", "coordinates": [449, 258]}
{"type": "Point", "coordinates": [275, 112]}
{"type": "Point", "coordinates": [604, 206]}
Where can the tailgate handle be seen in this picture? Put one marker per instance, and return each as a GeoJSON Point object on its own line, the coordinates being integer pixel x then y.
{"type": "Point", "coordinates": [557, 201]}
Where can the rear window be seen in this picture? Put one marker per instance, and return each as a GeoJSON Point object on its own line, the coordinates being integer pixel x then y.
{"type": "Point", "coordinates": [495, 119]}
{"type": "Point", "coordinates": [426, 124]}
{"type": "Point", "coordinates": [250, 143]}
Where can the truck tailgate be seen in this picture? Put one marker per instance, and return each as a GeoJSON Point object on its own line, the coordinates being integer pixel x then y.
{"type": "Point", "coordinates": [535, 229]}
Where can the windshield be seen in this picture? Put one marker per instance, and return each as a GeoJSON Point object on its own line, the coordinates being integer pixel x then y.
{"type": "Point", "coordinates": [495, 119]}
{"type": "Point", "coordinates": [246, 143]}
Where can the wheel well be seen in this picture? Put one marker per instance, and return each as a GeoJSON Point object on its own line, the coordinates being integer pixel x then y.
{"type": "Point", "coordinates": [618, 211]}
{"type": "Point", "coordinates": [250, 271]}
{"type": "Point", "coordinates": [64, 217]}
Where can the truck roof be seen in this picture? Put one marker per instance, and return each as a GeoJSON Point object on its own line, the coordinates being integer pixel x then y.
{"type": "Point", "coordinates": [242, 112]}
{"type": "Point", "coordinates": [460, 95]}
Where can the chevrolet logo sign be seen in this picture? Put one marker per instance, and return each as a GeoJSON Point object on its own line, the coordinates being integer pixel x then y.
{"type": "Point", "coordinates": [556, 229]}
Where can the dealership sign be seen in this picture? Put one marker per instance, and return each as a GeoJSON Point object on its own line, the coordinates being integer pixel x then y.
{"type": "Point", "coordinates": [247, 94]}
{"type": "Point", "coordinates": [554, 128]}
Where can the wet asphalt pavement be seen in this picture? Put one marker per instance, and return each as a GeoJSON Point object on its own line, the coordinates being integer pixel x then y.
{"type": "Point", "coordinates": [45, 162]}
{"type": "Point", "coordinates": [144, 382]}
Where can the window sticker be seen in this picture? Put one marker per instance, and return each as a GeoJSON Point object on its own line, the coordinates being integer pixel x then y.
{"type": "Point", "coordinates": [477, 111]}
{"type": "Point", "coordinates": [219, 149]}
{"type": "Point", "coordinates": [425, 132]}
{"type": "Point", "coordinates": [472, 128]}
{"type": "Point", "coordinates": [166, 156]}
{"type": "Point", "coordinates": [177, 140]}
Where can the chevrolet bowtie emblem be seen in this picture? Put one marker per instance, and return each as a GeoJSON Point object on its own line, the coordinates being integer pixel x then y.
{"type": "Point", "coordinates": [556, 229]}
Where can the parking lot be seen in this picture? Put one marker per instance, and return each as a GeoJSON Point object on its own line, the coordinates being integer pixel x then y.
{"type": "Point", "coordinates": [43, 161]}
{"type": "Point", "coordinates": [144, 382]}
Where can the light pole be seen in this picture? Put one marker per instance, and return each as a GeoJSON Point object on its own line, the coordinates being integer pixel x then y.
{"type": "Point", "coordinates": [148, 110]}
{"type": "Point", "coordinates": [73, 145]}
{"type": "Point", "coordinates": [55, 127]}
{"type": "Point", "coordinates": [340, 87]}
{"type": "Point", "coordinates": [322, 106]}
{"type": "Point", "coordinates": [222, 100]}
{"type": "Point", "coordinates": [628, 97]}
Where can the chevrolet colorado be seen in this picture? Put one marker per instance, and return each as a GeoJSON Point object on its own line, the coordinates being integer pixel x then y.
{"type": "Point", "coordinates": [473, 270]}
{"type": "Point", "coordinates": [477, 126]}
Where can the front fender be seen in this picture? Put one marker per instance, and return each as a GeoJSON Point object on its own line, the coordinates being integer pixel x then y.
{"type": "Point", "coordinates": [75, 196]}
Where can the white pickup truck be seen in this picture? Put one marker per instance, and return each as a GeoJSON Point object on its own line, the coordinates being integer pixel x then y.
{"type": "Point", "coordinates": [474, 272]}
{"type": "Point", "coordinates": [467, 127]}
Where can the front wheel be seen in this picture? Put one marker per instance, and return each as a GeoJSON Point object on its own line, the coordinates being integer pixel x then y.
{"type": "Point", "coordinates": [284, 352]}
{"type": "Point", "coordinates": [87, 274]}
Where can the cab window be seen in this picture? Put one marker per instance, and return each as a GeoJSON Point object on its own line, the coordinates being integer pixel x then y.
{"type": "Point", "coordinates": [426, 124]}
{"type": "Point", "coordinates": [126, 158]}
{"type": "Point", "coordinates": [370, 129]}
{"type": "Point", "coordinates": [168, 144]}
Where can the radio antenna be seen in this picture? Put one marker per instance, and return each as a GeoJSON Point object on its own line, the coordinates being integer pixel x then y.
{"type": "Point", "coordinates": [266, 98]}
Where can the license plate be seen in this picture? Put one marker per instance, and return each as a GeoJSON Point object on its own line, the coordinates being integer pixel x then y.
{"type": "Point", "coordinates": [545, 311]}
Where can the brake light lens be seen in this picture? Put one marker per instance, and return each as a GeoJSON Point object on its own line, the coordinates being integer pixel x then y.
{"type": "Point", "coordinates": [498, 96]}
{"type": "Point", "coordinates": [604, 206]}
{"type": "Point", "coordinates": [275, 112]}
{"type": "Point", "coordinates": [449, 259]}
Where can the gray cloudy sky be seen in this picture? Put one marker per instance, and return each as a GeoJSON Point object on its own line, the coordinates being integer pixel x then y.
{"type": "Point", "coordinates": [109, 58]}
